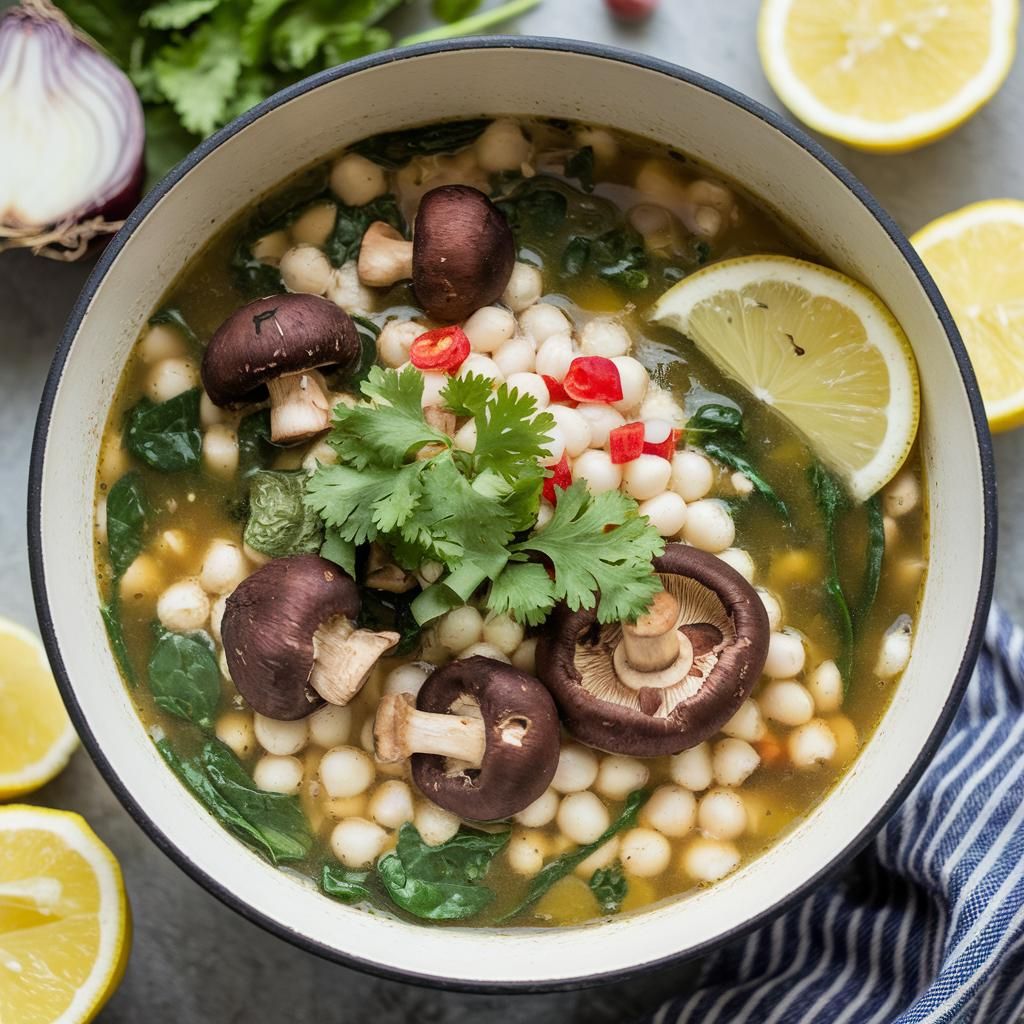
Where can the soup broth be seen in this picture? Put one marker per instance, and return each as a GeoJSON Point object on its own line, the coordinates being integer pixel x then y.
{"type": "Point", "coordinates": [610, 222]}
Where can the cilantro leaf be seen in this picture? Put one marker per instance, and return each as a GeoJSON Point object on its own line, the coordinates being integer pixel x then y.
{"type": "Point", "coordinates": [589, 557]}
{"type": "Point", "coordinates": [176, 13]}
{"type": "Point", "coordinates": [510, 431]}
{"type": "Point", "coordinates": [523, 590]}
{"type": "Point", "coordinates": [466, 396]}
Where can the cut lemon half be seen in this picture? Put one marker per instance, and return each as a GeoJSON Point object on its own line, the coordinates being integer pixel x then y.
{"type": "Point", "coordinates": [36, 736]}
{"type": "Point", "coordinates": [886, 75]}
{"type": "Point", "coordinates": [64, 923]}
{"type": "Point", "coordinates": [819, 348]}
{"type": "Point", "coordinates": [976, 256]}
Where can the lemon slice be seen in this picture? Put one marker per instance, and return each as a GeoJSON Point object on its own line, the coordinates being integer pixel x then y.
{"type": "Point", "coordinates": [977, 258]}
{"type": "Point", "coordinates": [886, 75]}
{"type": "Point", "coordinates": [64, 924]}
{"type": "Point", "coordinates": [819, 348]}
{"type": "Point", "coordinates": [36, 736]}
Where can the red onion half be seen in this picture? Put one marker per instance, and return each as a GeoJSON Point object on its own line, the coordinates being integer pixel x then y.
{"type": "Point", "coordinates": [72, 128]}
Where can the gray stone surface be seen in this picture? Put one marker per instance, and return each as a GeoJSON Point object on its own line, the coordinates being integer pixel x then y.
{"type": "Point", "coordinates": [193, 959]}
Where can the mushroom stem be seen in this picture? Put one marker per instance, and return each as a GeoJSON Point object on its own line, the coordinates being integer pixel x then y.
{"type": "Point", "coordinates": [385, 257]}
{"type": "Point", "coordinates": [299, 407]}
{"type": "Point", "coordinates": [400, 730]}
{"type": "Point", "coordinates": [652, 642]}
{"type": "Point", "coordinates": [343, 658]}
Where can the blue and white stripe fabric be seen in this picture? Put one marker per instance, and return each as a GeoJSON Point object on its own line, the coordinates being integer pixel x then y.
{"type": "Point", "coordinates": [927, 925]}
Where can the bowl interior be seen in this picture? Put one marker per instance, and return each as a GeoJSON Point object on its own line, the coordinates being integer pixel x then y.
{"type": "Point", "coordinates": [532, 78]}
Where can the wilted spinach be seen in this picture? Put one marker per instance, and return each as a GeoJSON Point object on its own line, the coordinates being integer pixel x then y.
{"type": "Point", "coordinates": [184, 677]}
{"type": "Point", "coordinates": [255, 449]}
{"type": "Point", "coordinates": [126, 521]}
{"type": "Point", "coordinates": [347, 886]}
{"type": "Point", "coordinates": [383, 610]}
{"type": "Point", "coordinates": [609, 887]}
{"type": "Point", "coordinates": [440, 883]}
{"type": "Point", "coordinates": [166, 435]}
{"type": "Point", "coordinates": [580, 166]}
{"type": "Point", "coordinates": [554, 871]}
{"type": "Point", "coordinates": [280, 523]}
{"type": "Point", "coordinates": [352, 222]}
{"type": "Point", "coordinates": [173, 317]}
{"type": "Point", "coordinates": [395, 149]}
{"type": "Point", "coordinates": [368, 333]}
{"type": "Point", "coordinates": [111, 615]}
{"type": "Point", "coordinates": [271, 823]}
{"type": "Point", "coordinates": [617, 255]}
{"type": "Point", "coordinates": [873, 566]}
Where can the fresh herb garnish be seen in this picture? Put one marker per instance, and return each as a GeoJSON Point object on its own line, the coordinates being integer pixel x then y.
{"type": "Point", "coordinates": [271, 823]}
{"type": "Point", "coordinates": [441, 883]}
{"type": "Point", "coordinates": [352, 222]}
{"type": "Point", "coordinates": [554, 871]}
{"type": "Point", "coordinates": [339, 551]}
{"type": "Point", "coordinates": [609, 887]}
{"type": "Point", "coordinates": [468, 510]}
{"type": "Point", "coordinates": [126, 521]}
{"type": "Point", "coordinates": [280, 522]}
{"type": "Point", "coordinates": [394, 150]}
{"type": "Point", "coordinates": [166, 435]}
{"type": "Point", "coordinates": [184, 677]}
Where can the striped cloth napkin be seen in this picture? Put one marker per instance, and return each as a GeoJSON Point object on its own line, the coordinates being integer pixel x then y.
{"type": "Point", "coordinates": [928, 922]}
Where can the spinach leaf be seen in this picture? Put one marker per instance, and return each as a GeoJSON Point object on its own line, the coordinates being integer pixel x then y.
{"type": "Point", "coordinates": [368, 333]}
{"type": "Point", "coordinates": [126, 521]}
{"type": "Point", "coordinates": [715, 420]}
{"type": "Point", "coordinates": [111, 615]}
{"type": "Point", "coordinates": [351, 225]}
{"type": "Point", "coordinates": [873, 567]}
{"type": "Point", "coordinates": [619, 256]}
{"type": "Point", "coordinates": [831, 501]}
{"type": "Point", "coordinates": [184, 676]}
{"type": "Point", "coordinates": [729, 457]}
{"type": "Point", "coordinates": [440, 883]}
{"type": "Point", "coordinates": [173, 317]}
{"type": "Point", "coordinates": [270, 823]}
{"type": "Point", "coordinates": [539, 209]}
{"type": "Point", "coordinates": [166, 436]}
{"type": "Point", "coordinates": [576, 256]}
{"type": "Point", "coordinates": [554, 871]}
{"type": "Point", "coordinates": [347, 886]}
{"type": "Point", "coordinates": [581, 167]}
{"type": "Point", "coordinates": [255, 449]}
{"type": "Point", "coordinates": [381, 610]}
{"type": "Point", "coordinates": [280, 523]}
{"type": "Point", "coordinates": [338, 550]}
{"type": "Point", "coordinates": [254, 278]}
{"type": "Point", "coordinates": [394, 150]}
{"type": "Point", "coordinates": [609, 887]}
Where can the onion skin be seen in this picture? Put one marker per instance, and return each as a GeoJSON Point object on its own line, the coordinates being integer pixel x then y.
{"type": "Point", "coordinates": [74, 123]}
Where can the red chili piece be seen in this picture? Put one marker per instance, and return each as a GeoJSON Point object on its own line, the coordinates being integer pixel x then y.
{"type": "Point", "coordinates": [660, 439]}
{"type": "Point", "coordinates": [443, 349]}
{"type": "Point", "coordinates": [555, 390]}
{"type": "Point", "coordinates": [631, 10]}
{"type": "Point", "coordinates": [593, 379]}
{"type": "Point", "coordinates": [626, 443]}
{"type": "Point", "coordinates": [561, 477]}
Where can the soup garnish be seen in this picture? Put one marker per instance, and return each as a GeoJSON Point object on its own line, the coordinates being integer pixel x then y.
{"type": "Point", "coordinates": [444, 575]}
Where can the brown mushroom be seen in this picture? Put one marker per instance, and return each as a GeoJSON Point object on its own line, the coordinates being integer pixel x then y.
{"type": "Point", "coordinates": [274, 345]}
{"type": "Point", "coordinates": [671, 679]}
{"type": "Point", "coordinates": [460, 258]}
{"type": "Point", "coordinates": [483, 738]}
{"type": "Point", "coordinates": [290, 637]}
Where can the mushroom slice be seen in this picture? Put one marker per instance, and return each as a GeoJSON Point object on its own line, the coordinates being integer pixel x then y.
{"type": "Point", "coordinates": [483, 738]}
{"type": "Point", "coordinates": [671, 679]}
{"type": "Point", "coordinates": [290, 639]}
{"type": "Point", "coordinates": [274, 345]}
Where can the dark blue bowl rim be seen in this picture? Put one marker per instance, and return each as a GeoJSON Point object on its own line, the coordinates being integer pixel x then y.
{"type": "Point", "coordinates": [758, 110]}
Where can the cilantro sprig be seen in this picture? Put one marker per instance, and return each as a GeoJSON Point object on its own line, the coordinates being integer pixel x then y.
{"type": "Point", "coordinates": [401, 482]}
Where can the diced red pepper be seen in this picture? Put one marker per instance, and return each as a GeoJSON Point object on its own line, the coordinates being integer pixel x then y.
{"type": "Point", "coordinates": [442, 350]}
{"type": "Point", "coordinates": [561, 478]}
{"type": "Point", "coordinates": [626, 443]}
{"type": "Point", "coordinates": [593, 379]}
{"type": "Point", "coordinates": [660, 439]}
{"type": "Point", "coordinates": [555, 390]}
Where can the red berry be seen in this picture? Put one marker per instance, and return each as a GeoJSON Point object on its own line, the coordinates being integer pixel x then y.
{"type": "Point", "coordinates": [631, 10]}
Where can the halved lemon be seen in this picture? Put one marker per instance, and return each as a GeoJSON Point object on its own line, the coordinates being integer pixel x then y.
{"type": "Point", "coordinates": [886, 75]}
{"type": "Point", "coordinates": [64, 921]}
{"type": "Point", "coordinates": [819, 348]}
{"type": "Point", "coordinates": [976, 256]}
{"type": "Point", "coordinates": [36, 736]}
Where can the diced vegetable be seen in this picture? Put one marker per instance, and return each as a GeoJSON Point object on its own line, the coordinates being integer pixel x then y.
{"type": "Point", "coordinates": [593, 379]}
{"type": "Point", "coordinates": [560, 480]}
{"type": "Point", "coordinates": [556, 392]}
{"type": "Point", "coordinates": [442, 350]}
{"type": "Point", "coordinates": [626, 443]}
{"type": "Point", "coordinates": [660, 439]}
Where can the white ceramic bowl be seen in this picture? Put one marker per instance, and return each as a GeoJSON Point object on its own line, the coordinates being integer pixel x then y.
{"type": "Point", "coordinates": [532, 77]}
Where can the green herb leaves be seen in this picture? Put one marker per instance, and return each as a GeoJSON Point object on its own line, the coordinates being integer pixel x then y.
{"type": "Point", "coordinates": [166, 436]}
{"type": "Point", "coordinates": [351, 224]}
{"type": "Point", "coordinates": [184, 677]}
{"type": "Point", "coordinates": [440, 883]}
{"type": "Point", "coordinates": [347, 886]}
{"type": "Point", "coordinates": [609, 887]}
{"type": "Point", "coordinates": [280, 523]}
{"type": "Point", "coordinates": [126, 521]}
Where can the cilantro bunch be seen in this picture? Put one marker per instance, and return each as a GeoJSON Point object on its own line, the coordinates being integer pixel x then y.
{"type": "Point", "coordinates": [199, 63]}
{"type": "Point", "coordinates": [401, 482]}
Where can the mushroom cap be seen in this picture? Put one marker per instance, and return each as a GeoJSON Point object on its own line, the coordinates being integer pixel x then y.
{"type": "Point", "coordinates": [272, 337]}
{"type": "Point", "coordinates": [269, 623]}
{"type": "Point", "coordinates": [727, 626]}
{"type": "Point", "coordinates": [522, 734]}
{"type": "Point", "coordinates": [463, 252]}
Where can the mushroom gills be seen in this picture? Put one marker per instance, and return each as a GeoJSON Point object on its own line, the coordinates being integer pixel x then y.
{"type": "Point", "coordinates": [299, 407]}
{"type": "Point", "coordinates": [343, 658]}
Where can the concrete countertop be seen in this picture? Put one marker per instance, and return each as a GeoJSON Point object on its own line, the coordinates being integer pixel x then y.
{"type": "Point", "coordinates": [193, 959]}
